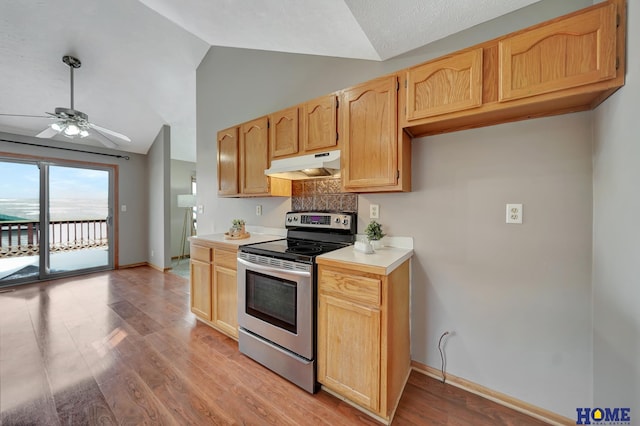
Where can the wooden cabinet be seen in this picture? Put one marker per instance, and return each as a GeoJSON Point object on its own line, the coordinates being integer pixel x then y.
{"type": "Point", "coordinates": [254, 157]}
{"type": "Point", "coordinates": [363, 334]}
{"type": "Point", "coordinates": [228, 161]}
{"type": "Point", "coordinates": [284, 133]}
{"type": "Point", "coordinates": [214, 287]}
{"type": "Point", "coordinates": [225, 292]}
{"type": "Point", "coordinates": [571, 63]}
{"type": "Point", "coordinates": [571, 52]}
{"type": "Point", "coordinates": [450, 84]}
{"type": "Point", "coordinates": [373, 151]}
{"type": "Point", "coordinates": [319, 124]}
{"type": "Point", "coordinates": [200, 267]}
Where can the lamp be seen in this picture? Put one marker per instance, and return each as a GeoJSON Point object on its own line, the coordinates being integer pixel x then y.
{"type": "Point", "coordinates": [188, 202]}
{"type": "Point", "coordinates": [71, 128]}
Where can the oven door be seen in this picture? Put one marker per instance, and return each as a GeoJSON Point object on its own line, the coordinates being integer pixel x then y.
{"type": "Point", "coordinates": [277, 304]}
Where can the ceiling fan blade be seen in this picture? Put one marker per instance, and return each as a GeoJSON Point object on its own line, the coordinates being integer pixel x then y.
{"type": "Point", "coordinates": [25, 115]}
{"type": "Point", "coordinates": [104, 140]}
{"type": "Point", "coordinates": [47, 133]}
{"type": "Point", "coordinates": [110, 132]}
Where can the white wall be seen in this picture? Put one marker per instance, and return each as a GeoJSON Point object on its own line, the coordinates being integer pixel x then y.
{"type": "Point", "coordinates": [132, 187]}
{"type": "Point", "coordinates": [616, 238]}
{"type": "Point", "coordinates": [158, 183]}
{"type": "Point", "coordinates": [181, 173]}
{"type": "Point", "coordinates": [517, 297]}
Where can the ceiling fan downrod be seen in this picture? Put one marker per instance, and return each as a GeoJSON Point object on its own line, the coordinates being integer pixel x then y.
{"type": "Point", "coordinates": [73, 63]}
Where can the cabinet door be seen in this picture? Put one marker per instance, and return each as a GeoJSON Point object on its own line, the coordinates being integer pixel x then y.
{"type": "Point", "coordinates": [228, 161]}
{"type": "Point", "coordinates": [225, 299]}
{"type": "Point", "coordinates": [349, 350]}
{"type": "Point", "coordinates": [447, 85]}
{"type": "Point", "coordinates": [201, 289]}
{"type": "Point", "coordinates": [319, 128]}
{"type": "Point", "coordinates": [283, 133]}
{"type": "Point", "coordinates": [369, 135]}
{"type": "Point", "coordinates": [567, 53]}
{"type": "Point", "coordinates": [254, 153]}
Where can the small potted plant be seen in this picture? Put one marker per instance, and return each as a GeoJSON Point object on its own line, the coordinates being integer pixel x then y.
{"type": "Point", "coordinates": [237, 227]}
{"type": "Point", "coordinates": [374, 234]}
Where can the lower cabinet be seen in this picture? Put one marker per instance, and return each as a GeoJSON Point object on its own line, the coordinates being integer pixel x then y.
{"type": "Point", "coordinates": [214, 288]}
{"type": "Point", "coordinates": [363, 335]}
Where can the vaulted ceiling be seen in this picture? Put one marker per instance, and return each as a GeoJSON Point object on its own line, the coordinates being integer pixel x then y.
{"type": "Point", "coordinates": [139, 58]}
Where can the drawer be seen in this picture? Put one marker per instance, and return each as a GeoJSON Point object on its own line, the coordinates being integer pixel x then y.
{"type": "Point", "coordinates": [347, 286]}
{"type": "Point", "coordinates": [225, 258]}
{"type": "Point", "coordinates": [200, 253]}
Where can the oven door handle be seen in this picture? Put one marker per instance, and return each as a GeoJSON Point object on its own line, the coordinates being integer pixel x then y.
{"type": "Point", "coordinates": [262, 268]}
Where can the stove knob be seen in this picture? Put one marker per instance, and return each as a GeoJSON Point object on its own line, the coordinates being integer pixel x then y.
{"type": "Point", "coordinates": [289, 219]}
{"type": "Point", "coordinates": [345, 221]}
{"type": "Point", "coordinates": [295, 218]}
{"type": "Point", "coordinates": [337, 220]}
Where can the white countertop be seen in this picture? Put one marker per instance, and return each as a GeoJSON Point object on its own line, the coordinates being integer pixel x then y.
{"type": "Point", "coordinates": [213, 239]}
{"type": "Point", "coordinates": [385, 258]}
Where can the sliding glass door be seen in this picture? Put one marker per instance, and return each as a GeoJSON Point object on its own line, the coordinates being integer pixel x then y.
{"type": "Point", "coordinates": [55, 220]}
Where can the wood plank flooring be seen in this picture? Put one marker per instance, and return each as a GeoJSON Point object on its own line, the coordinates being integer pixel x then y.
{"type": "Point", "coordinates": [122, 347]}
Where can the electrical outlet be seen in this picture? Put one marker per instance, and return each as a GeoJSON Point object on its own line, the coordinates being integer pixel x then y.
{"type": "Point", "coordinates": [374, 211]}
{"type": "Point", "coordinates": [514, 213]}
{"type": "Point", "coordinates": [123, 208]}
{"type": "Point", "coordinates": [259, 210]}
{"type": "Point", "coordinates": [200, 209]}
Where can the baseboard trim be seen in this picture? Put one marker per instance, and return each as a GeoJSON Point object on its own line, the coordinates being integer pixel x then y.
{"type": "Point", "coordinates": [133, 265]}
{"type": "Point", "coordinates": [151, 265]}
{"type": "Point", "coordinates": [497, 397]}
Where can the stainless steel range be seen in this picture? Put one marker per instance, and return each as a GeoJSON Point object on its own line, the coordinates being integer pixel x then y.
{"type": "Point", "coordinates": [277, 293]}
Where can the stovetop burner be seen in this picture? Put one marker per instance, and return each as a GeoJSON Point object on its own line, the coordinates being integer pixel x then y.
{"type": "Point", "coordinates": [309, 234]}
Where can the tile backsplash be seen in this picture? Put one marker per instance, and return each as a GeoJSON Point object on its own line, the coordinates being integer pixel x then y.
{"type": "Point", "coordinates": [322, 194]}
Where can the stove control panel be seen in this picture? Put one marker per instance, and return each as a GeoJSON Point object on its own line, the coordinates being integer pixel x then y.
{"type": "Point", "coordinates": [342, 221]}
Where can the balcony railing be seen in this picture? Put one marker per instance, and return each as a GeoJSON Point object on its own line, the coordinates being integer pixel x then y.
{"type": "Point", "coordinates": [22, 238]}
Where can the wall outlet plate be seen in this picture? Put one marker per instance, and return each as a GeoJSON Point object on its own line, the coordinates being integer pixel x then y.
{"type": "Point", "coordinates": [374, 211]}
{"type": "Point", "coordinates": [514, 213]}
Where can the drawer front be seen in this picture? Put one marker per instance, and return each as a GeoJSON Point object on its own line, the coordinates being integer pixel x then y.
{"type": "Point", "coordinates": [200, 253]}
{"type": "Point", "coordinates": [357, 288]}
{"type": "Point", "coordinates": [225, 258]}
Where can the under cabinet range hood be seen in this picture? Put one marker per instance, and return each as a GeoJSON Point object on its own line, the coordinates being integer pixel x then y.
{"type": "Point", "coordinates": [306, 166]}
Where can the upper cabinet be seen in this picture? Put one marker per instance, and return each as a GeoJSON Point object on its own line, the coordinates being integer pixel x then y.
{"type": "Point", "coordinates": [254, 157]}
{"type": "Point", "coordinates": [228, 161]}
{"type": "Point", "coordinates": [319, 127]}
{"type": "Point", "coordinates": [372, 144]}
{"type": "Point", "coordinates": [450, 84]}
{"type": "Point", "coordinates": [568, 53]}
{"type": "Point", "coordinates": [283, 133]}
{"type": "Point", "coordinates": [568, 64]}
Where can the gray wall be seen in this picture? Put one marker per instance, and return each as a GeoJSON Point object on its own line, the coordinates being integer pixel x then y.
{"type": "Point", "coordinates": [132, 235]}
{"type": "Point", "coordinates": [158, 183]}
{"type": "Point", "coordinates": [616, 238]}
{"type": "Point", "coordinates": [181, 172]}
{"type": "Point", "coordinates": [518, 298]}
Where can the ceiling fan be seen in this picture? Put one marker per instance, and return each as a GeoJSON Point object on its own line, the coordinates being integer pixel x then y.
{"type": "Point", "coordinates": [72, 123]}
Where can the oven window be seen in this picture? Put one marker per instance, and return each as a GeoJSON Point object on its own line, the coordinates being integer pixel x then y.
{"type": "Point", "coordinates": [272, 300]}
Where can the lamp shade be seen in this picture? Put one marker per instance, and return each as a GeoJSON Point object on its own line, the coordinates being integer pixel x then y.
{"type": "Point", "coordinates": [186, 200]}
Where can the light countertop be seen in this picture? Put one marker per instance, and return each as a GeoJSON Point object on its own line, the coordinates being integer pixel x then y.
{"type": "Point", "coordinates": [383, 261]}
{"type": "Point", "coordinates": [218, 240]}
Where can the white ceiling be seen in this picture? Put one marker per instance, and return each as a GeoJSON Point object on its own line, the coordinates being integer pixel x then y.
{"type": "Point", "coordinates": [139, 58]}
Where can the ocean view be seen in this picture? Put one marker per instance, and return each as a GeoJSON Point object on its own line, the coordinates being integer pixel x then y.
{"type": "Point", "coordinates": [60, 209]}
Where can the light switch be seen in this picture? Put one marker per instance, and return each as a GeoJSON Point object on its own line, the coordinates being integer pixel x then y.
{"type": "Point", "coordinates": [123, 208]}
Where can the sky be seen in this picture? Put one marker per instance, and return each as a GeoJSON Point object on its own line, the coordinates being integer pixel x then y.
{"type": "Point", "coordinates": [22, 181]}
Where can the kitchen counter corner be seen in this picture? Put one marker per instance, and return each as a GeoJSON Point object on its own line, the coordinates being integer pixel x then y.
{"type": "Point", "coordinates": [382, 262]}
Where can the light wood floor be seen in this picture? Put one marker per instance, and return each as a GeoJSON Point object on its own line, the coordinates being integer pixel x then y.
{"type": "Point", "coordinates": [121, 347]}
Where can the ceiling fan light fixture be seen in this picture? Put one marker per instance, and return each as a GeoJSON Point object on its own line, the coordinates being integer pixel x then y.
{"type": "Point", "coordinates": [71, 130]}
{"type": "Point", "coordinates": [57, 127]}
{"type": "Point", "coordinates": [84, 133]}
